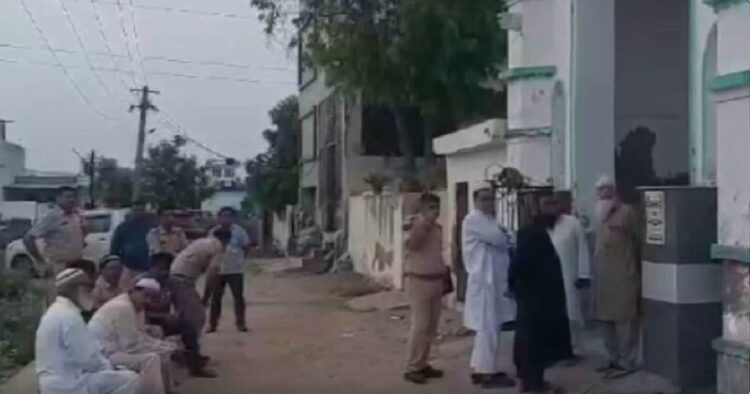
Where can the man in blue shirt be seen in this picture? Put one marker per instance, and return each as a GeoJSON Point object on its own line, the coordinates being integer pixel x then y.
{"type": "Point", "coordinates": [130, 244]}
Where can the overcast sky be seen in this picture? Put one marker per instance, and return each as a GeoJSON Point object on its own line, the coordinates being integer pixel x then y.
{"type": "Point", "coordinates": [51, 118]}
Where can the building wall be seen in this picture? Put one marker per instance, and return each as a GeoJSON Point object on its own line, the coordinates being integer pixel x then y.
{"type": "Point", "coordinates": [12, 162]}
{"type": "Point", "coordinates": [651, 81]}
{"type": "Point", "coordinates": [224, 198]}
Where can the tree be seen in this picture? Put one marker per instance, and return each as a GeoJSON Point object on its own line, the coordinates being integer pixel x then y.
{"type": "Point", "coordinates": [273, 176]}
{"type": "Point", "coordinates": [173, 179]}
{"type": "Point", "coordinates": [434, 55]}
{"type": "Point", "coordinates": [113, 184]}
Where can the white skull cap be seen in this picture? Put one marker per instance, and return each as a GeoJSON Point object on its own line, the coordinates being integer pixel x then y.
{"type": "Point", "coordinates": [70, 277]}
{"type": "Point", "coordinates": [148, 283]}
{"type": "Point", "coordinates": [605, 180]}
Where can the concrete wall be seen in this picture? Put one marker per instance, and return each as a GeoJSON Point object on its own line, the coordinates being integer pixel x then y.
{"type": "Point", "coordinates": [376, 234]}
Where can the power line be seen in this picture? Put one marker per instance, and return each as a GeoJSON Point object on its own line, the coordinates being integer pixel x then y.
{"type": "Point", "coordinates": [182, 10]}
{"type": "Point", "coordinates": [219, 78]}
{"type": "Point", "coordinates": [98, 77]}
{"type": "Point", "coordinates": [47, 43]}
{"type": "Point", "coordinates": [138, 52]}
{"type": "Point", "coordinates": [107, 45]}
{"type": "Point", "coordinates": [169, 121]}
{"type": "Point", "coordinates": [169, 74]}
{"type": "Point", "coordinates": [125, 36]}
{"type": "Point", "coordinates": [215, 63]}
{"type": "Point", "coordinates": [150, 58]}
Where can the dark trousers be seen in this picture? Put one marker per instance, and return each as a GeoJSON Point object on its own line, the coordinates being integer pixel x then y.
{"type": "Point", "coordinates": [174, 325]}
{"type": "Point", "coordinates": [236, 284]}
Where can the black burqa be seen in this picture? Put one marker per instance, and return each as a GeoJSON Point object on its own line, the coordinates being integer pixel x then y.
{"type": "Point", "coordinates": [542, 331]}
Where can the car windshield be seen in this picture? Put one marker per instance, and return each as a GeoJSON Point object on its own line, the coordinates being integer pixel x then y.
{"type": "Point", "coordinates": [98, 223]}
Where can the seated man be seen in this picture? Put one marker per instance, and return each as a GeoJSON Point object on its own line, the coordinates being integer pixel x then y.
{"type": "Point", "coordinates": [158, 313]}
{"type": "Point", "coordinates": [107, 285]}
{"type": "Point", "coordinates": [118, 328]}
{"type": "Point", "coordinates": [68, 360]}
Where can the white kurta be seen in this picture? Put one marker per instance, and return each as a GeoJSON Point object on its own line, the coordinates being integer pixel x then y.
{"type": "Point", "coordinates": [68, 360]}
{"type": "Point", "coordinates": [485, 254]}
{"type": "Point", "coordinates": [569, 240]}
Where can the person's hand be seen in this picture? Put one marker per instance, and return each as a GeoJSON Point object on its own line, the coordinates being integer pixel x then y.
{"type": "Point", "coordinates": [583, 284]}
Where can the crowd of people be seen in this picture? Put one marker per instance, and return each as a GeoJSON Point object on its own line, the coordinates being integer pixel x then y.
{"type": "Point", "coordinates": [108, 327]}
{"type": "Point", "coordinates": [538, 275]}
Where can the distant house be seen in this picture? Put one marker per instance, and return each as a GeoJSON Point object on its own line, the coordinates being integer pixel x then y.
{"type": "Point", "coordinates": [228, 179]}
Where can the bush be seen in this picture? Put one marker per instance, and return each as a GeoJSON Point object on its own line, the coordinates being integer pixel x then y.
{"type": "Point", "coordinates": [21, 307]}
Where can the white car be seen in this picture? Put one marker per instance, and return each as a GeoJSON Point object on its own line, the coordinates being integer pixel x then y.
{"type": "Point", "coordinates": [99, 224]}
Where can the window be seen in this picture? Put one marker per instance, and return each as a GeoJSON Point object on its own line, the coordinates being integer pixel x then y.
{"type": "Point", "coordinates": [216, 172]}
{"type": "Point", "coordinates": [229, 172]}
{"type": "Point", "coordinates": [98, 223]}
{"type": "Point", "coordinates": [309, 141]}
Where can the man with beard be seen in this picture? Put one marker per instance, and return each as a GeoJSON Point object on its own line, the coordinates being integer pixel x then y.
{"type": "Point", "coordinates": [617, 270]}
{"type": "Point", "coordinates": [68, 360]}
{"type": "Point", "coordinates": [486, 258]}
{"type": "Point", "coordinates": [536, 280]}
{"type": "Point", "coordinates": [571, 246]}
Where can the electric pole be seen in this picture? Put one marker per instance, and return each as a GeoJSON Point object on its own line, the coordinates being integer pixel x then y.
{"type": "Point", "coordinates": [92, 178]}
{"type": "Point", "coordinates": [144, 106]}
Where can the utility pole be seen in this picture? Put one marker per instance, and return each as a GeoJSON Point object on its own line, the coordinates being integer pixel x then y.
{"type": "Point", "coordinates": [92, 178]}
{"type": "Point", "coordinates": [144, 106]}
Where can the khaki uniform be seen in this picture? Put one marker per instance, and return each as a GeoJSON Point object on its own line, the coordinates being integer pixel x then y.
{"type": "Point", "coordinates": [103, 292]}
{"type": "Point", "coordinates": [425, 285]}
{"type": "Point", "coordinates": [189, 265]}
{"type": "Point", "coordinates": [62, 238]}
{"type": "Point", "coordinates": [161, 240]}
{"type": "Point", "coordinates": [617, 280]}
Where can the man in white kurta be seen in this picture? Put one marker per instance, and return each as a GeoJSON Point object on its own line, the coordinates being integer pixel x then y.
{"type": "Point", "coordinates": [486, 257]}
{"type": "Point", "coordinates": [118, 327]}
{"type": "Point", "coordinates": [68, 360]}
{"type": "Point", "coordinates": [569, 240]}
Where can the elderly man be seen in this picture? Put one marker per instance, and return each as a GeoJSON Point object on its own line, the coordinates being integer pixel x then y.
{"type": "Point", "coordinates": [68, 360]}
{"type": "Point", "coordinates": [617, 268]}
{"type": "Point", "coordinates": [107, 285]}
{"type": "Point", "coordinates": [486, 257]}
{"type": "Point", "coordinates": [118, 327]}
{"type": "Point", "coordinates": [202, 256]}
{"type": "Point", "coordinates": [569, 240]}
{"type": "Point", "coordinates": [166, 237]}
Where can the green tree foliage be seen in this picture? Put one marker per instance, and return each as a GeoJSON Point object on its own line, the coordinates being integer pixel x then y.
{"type": "Point", "coordinates": [113, 184]}
{"type": "Point", "coordinates": [434, 55]}
{"type": "Point", "coordinates": [273, 176]}
{"type": "Point", "coordinates": [172, 178]}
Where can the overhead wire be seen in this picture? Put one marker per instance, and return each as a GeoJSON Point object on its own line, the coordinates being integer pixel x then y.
{"type": "Point", "coordinates": [86, 56]}
{"type": "Point", "coordinates": [125, 36]}
{"type": "Point", "coordinates": [182, 10]}
{"type": "Point", "coordinates": [107, 45]}
{"type": "Point", "coordinates": [138, 52]}
{"type": "Point", "coordinates": [72, 81]}
{"type": "Point", "coordinates": [172, 124]}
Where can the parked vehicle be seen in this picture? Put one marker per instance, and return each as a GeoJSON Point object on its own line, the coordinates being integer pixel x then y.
{"type": "Point", "coordinates": [99, 224]}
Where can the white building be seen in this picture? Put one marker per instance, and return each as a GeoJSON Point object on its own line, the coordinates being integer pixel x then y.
{"type": "Point", "coordinates": [653, 92]}
{"type": "Point", "coordinates": [229, 179]}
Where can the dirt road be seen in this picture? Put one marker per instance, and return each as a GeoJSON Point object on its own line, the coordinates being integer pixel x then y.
{"type": "Point", "coordinates": [303, 340]}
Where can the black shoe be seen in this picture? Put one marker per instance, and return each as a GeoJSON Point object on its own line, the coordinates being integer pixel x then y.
{"type": "Point", "coordinates": [432, 373]}
{"type": "Point", "coordinates": [612, 366]}
{"type": "Point", "coordinates": [211, 330]}
{"type": "Point", "coordinates": [202, 373]}
{"type": "Point", "coordinates": [416, 377]}
{"type": "Point", "coordinates": [492, 381]}
{"type": "Point", "coordinates": [242, 328]}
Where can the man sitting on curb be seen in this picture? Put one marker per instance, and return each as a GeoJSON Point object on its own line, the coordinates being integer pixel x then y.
{"type": "Point", "coordinates": [118, 328]}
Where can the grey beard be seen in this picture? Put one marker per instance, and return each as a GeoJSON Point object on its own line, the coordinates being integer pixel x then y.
{"type": "Point", "coordinates": [603, 207]}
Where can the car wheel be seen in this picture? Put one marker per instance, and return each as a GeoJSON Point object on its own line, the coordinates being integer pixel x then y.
{"type": "Point", "coordinates": [24, 264]}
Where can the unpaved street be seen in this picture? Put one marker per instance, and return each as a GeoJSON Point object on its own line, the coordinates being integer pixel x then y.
{"type": "Point", "coordinates": [304, 340]}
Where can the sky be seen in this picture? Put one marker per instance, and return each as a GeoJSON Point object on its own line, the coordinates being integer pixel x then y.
{"type": "Point", "coordinates": [53, 117]}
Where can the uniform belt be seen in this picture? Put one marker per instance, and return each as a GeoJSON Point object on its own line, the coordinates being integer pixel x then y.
{"type": "Point", "coordinates": [430, 277]}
